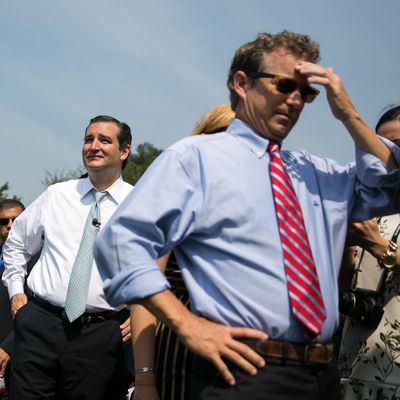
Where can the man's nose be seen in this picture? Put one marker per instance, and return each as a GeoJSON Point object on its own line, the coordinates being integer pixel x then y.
{"type": "Point", "coordinates": [295, 100]}
{"type": "Point", "coordinates": [95, 144]}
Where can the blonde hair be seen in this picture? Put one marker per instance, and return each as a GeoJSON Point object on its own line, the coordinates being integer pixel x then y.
{"type": "Point", "coordinates": [216, 119]}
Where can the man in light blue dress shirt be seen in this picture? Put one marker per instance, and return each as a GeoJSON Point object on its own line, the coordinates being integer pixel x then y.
{"type": "Point", "coordinates": [209, 198]}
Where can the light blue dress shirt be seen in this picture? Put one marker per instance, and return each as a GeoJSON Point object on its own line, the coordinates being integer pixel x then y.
{"type": "Point", "coordinates": [209, 197]}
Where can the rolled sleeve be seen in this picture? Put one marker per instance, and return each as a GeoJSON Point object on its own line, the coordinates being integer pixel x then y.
{"type": "Point", "coordinates": [156, 216]}
{"type": "Point", "coordinates": [372, 172]}
{"type": "Point", "coordinates": [377, 188]}
{"type": "Point", "coordinates": [128, 286]}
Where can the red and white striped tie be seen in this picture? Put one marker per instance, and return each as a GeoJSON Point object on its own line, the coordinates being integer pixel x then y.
{"type": "Point", "coordinates": [303, 285]}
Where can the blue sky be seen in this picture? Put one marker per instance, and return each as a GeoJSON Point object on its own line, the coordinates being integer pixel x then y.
{"type": "Point", "coordinates": [158, 65]}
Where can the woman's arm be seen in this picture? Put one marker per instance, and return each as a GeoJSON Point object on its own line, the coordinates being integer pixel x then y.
{"type": "Point", "coordinates": [143, 326]}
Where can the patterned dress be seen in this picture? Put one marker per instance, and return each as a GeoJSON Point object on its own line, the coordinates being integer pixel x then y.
{"type": "Point", "coordinates": [369, 359]}
{"type": "Point", "coordinates": [173, 360]}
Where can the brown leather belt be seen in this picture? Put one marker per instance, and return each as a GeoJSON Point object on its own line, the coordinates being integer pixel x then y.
{"type": "Point", "coordinates": [310, 354]}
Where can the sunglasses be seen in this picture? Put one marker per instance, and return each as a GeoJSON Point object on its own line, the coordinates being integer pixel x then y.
{"type": "Point", "coordinates": [287, 85]}
{"type": "Point", "coordinates": [5, 221]}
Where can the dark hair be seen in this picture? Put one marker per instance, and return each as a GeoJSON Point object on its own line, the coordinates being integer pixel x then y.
{"type": "Point", "coordinates": [392, 113]}
{"type": "Point", "coordinates": [11, 203]}
{"type": "Point", "coordinates": [250, 56]}
{"type": "Point", "coordinates": [124, 134]}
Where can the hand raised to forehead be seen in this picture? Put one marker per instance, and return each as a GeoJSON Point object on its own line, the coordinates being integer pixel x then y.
{"type": "Point", "coordinates": [343, 109]}
{"type": "Point", "coordinates": [338, 99]}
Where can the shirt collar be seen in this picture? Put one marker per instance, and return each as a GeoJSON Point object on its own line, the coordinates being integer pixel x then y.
{"type": "Point", "coordinates": [248, 136]}
{"type": "Point", "coordinates": [115, 191]}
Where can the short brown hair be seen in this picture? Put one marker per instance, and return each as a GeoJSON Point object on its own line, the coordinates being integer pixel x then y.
{"type": "Point", "coordinates": [249, 57]}
{"type": "Point", "coordinates": [11, 203]}
{"type": "Point", "coordinates": [124, 135]}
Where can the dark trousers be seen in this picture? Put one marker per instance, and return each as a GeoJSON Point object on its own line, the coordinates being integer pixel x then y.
{"type": "Point", "coordinates": [278, 380]}
{"type": "Point", "coordinates": [54, 359]}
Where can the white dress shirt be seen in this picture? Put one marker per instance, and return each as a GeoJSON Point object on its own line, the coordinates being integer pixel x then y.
{"type": "Point", "coordinates": [56, 220]}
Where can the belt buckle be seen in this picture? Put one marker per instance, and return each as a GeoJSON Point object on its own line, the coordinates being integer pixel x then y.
{"type": "Point", "coordinates": [307, 353]}
{"type": "Point", "coordinates": [86, 319]}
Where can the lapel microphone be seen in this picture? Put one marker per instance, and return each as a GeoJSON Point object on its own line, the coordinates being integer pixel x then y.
{"type": "Point", "coordinates": [96, 222]}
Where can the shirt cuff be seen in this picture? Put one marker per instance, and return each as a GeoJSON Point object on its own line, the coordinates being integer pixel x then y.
{"type": "Point", "coordinates": [15, 287]}
{"type": "Point", "coordinates": [123, 289]}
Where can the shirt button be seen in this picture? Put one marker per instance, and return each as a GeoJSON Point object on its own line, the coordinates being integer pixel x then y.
{"type": "Point", "coordinates": [259, 153]}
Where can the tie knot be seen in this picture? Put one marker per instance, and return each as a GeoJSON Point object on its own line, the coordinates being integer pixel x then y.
{"type": "Point", "coordinates": [273, 147]}
{"type": "Point", "coordinates": [99, 196]}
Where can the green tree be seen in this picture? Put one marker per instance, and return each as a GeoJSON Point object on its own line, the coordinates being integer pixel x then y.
{"type": "Point", "coordinates": [139, 161]}
{"type": "Point", "coordinates": [61, 176]}
{"type": "Point", "coordinates": [4, 192]}
{"type": "Point", "coordinates": [137, 164]}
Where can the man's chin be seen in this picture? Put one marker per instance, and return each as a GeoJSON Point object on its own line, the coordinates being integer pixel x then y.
{"type": "Point", "coordinates": [93, 165]}
{"type": "Point", "coordinates": [280, 134]}
{"type": "Point", "coordinates": [282, 130]}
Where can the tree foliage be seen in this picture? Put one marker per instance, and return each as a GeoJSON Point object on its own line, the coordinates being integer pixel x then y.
{"type": "Point", "coordinates": [62, 176]}
{"type": "Point", "coordinates": [139, 162]}
{"type": "Point", "coordinates": [4, 192]}
{"type": "Point", "coordinates": [137, 165]}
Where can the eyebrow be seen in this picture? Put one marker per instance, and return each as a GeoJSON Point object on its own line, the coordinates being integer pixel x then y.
{"type": "Point", "coordinates": [101, 136]}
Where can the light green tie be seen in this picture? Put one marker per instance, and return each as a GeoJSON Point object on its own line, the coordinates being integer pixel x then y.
{"type": "Point", "coordinates": [79, 280]}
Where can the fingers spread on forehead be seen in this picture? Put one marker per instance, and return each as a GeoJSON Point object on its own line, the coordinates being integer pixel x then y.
{"type": "Point", "coordinates": [316, 73]}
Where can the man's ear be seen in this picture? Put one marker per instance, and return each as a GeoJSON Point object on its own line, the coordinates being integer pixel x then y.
{"type": "Point", "coordinates": [125, 151]}
{"type": "Point", "coordinates": [240, 83]}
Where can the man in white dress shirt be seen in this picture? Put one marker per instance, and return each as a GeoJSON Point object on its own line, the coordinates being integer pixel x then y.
{"type": "Point", "coordinates": [54, 357]}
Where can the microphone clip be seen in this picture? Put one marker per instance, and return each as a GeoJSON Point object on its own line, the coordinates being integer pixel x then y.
{"type": "Point", "coordinates": [96, 222]}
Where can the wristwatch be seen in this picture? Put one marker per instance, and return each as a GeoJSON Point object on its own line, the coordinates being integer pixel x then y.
{"type": "Point", "coordinates": [388, 258]}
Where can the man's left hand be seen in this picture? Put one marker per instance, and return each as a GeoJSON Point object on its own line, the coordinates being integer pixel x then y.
{"type": "Point", "coordinates": [343, 109]}
{"type": "Point", "coordinates": [338, 99]}
{"type": "Point", "coordinates": [126, 330]}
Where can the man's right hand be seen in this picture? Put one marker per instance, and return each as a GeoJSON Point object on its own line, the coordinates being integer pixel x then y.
{"type": "Point", "coordinates": [17, 301]}
{"type": "Point", "coordinates": [210, 340]}
{"type": "Point", "coordinates": [217, 342]}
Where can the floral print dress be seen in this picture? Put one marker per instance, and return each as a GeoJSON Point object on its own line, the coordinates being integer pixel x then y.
{"type": "Point", "coordinates": [369, 359]}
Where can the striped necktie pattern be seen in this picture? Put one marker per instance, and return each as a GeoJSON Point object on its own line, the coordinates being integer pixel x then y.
{"type": "Point", "coordinates": [301, 274]}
